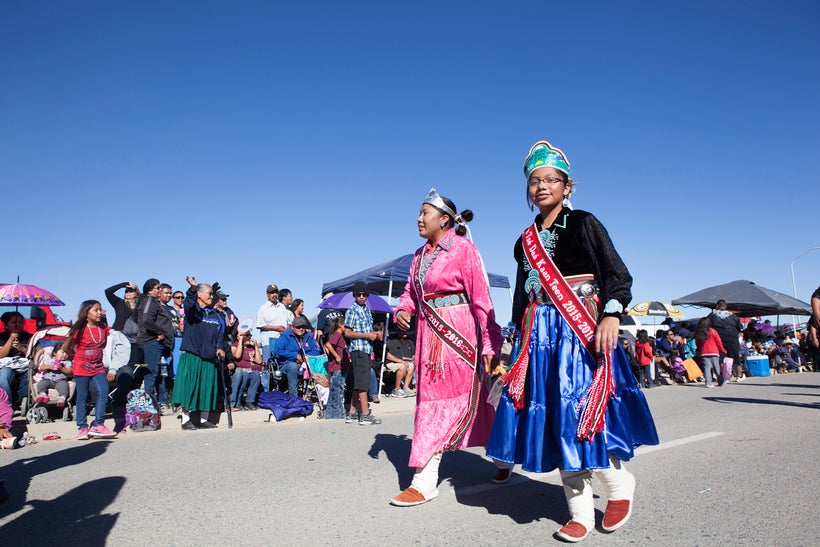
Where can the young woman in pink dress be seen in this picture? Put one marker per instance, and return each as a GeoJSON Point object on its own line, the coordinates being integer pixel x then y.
{"type": "Point", "coordinates": [457, 340]}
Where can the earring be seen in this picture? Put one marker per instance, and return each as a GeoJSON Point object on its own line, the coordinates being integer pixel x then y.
{"type": "Point", "coordinates": [442, 224]}
{"type": "Point", "coordinates": [566, 201]}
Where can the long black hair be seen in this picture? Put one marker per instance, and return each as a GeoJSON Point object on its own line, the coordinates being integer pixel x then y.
{"type": "Point", "coordinates": [702, 331]}
{"type": "Point", "coordinates": [76, 329]}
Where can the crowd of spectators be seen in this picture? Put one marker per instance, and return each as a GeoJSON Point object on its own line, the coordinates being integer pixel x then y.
{"type": "Point", "coordinates": [149, 324]}
{"type": "Point", "coordinates": [673, 347]}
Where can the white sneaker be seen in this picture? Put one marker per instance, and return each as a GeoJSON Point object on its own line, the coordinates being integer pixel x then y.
{"type": "Point", "coordinates": [742, 378]}
{"type": "Point", "coordinates": [398, 393]}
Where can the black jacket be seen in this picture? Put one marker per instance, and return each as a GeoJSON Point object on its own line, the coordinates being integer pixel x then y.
{"type": "Point", "coordinates": [153, 319]}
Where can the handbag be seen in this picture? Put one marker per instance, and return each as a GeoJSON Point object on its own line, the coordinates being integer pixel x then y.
{"type": "Point", "coordinates": [727, 368]}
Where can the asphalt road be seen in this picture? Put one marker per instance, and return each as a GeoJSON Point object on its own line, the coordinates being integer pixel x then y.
{"type": "Point", "coordinates": [736, 467]}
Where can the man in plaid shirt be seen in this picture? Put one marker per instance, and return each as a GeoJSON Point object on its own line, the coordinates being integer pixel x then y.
{"type": "Point", "coordinates": [359, 330]}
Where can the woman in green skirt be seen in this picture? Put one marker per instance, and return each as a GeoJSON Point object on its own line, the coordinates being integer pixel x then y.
{"type": "Point", "coordinates": [203, 342]}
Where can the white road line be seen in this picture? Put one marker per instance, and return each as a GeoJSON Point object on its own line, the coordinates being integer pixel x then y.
{"type": "Point", "coordinates": [542, 477]}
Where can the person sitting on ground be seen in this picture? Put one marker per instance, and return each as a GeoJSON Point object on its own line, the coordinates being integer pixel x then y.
{"type": "Point", "coordinates": [290, 348]}
{"type": "Point", "coordinates": [248, 370]}
{"type": "Point", "coordinates": [786, 357]}
{"type": "Point", "coordinates": [401, 353]}
{"type": "Point", "coordinates": [53, 370]}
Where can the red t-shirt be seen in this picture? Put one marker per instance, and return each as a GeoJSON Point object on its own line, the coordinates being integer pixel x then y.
{"type": "Point", "coordinates": [88, 353]}
{"type": "Point", "coordinates": [247, 359]}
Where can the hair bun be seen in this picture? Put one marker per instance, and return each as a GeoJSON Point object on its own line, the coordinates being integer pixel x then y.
{"type": "Point", "coordinates": [466, 215]}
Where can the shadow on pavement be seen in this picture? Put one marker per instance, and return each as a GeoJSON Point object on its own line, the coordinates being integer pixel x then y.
{"type": "Point", "coordinates": [761, 402]}
{"type": "Point", "coordinates": [397, 450]}
{"type": "Point", "coordinates": [523, 500]}
{"type": "Point", "coordinates": [19, 473]}
{"type": "Point", "coordinates": [797, 386]}
{"type": "Point", "coordinates": [75, 517]}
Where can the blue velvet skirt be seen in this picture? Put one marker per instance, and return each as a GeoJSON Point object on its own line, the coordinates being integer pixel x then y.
{"type": "Point", "coordinates": [542, 435]}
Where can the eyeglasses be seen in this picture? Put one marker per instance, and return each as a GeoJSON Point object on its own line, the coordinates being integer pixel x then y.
{"type": "Point", "coordinates": [358, 294]}
{"type": "Point", "coordinates": [548, 180]}
{"type": "Point", "coordinates": [300, 328]}
{"type": "Point", "coordinates": [180, 297]}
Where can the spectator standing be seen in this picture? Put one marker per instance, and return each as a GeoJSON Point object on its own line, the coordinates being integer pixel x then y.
{"type": "Point", "coordinates": [271, 320]}
{"type": "Point", "coordinates": [359, 330]}
{"type": "Point", "coordinates": [155, 336]}
{"type": "Point", "coordinates": [644, 357]}
{"type": "Point", "coordinates": [286, 298]}
{"type": "Point", "coordinates": [177, 314]}
{"type": "Point", "coordinates": [87, 339]}
{"type": "Point", "coordinates": [203, 342]}
{"type": "Point", "coordinates": [325, 316]}
{"type": "Point", "coordinates": [710, 347]}
{"type": "Point", "coordinates": [123, 307]}
{"type": "Point", "coordinates": [338, 365]}
{"type": "Point", "coordinates": [728, 328]}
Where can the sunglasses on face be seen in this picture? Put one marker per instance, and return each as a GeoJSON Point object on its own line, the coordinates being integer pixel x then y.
{"type": "Point", "coordinates": [358, 294]}
{"type": "Point", "coordinates": [179, 298]}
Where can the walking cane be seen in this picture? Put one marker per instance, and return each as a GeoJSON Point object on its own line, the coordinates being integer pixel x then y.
{"type": "Point", "coordinates": [221, 362]}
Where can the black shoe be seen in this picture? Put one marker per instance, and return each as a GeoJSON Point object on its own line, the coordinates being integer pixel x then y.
{"type": "Point", "coordinates": [205, 424]}
{"type": "Point", "coordinates": [189, 426]}
{"type": "Point", "coordinates": [251, 406]}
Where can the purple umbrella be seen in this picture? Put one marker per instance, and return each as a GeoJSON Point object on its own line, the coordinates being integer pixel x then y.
{"type": "Point", "coordinates": [343, 300]}
{"type": "Point", "coordinates": [16, 294]}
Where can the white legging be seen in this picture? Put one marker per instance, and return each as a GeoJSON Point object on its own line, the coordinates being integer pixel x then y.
{"type": "Point", "coordinates": [619, 484]}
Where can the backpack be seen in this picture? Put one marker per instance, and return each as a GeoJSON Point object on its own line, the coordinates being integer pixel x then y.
{"type": "Point", "coordinates": [141, 411]}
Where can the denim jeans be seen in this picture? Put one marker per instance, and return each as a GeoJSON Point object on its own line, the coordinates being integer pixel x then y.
{"type": "Point", "coordinates": [152, 380]}
{"type": "Point", "coordinates": [241, 380]}
{"type": "Point", "coordinates": [373, 390]}
{"type": "Point", "coordinates": [336, 400]}
{"type": "Point", "coordinates": [291, 369]}
{"type": "Point", "coordinates": [82, 383]}
{"type": "Point", "coordinates": [710, 363]}
{"type": "Point", "coordinates": [7, 378]}
{"type": "Point", "coordinates": [644, 380]}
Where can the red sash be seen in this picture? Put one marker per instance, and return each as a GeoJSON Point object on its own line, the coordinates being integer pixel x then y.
{"type": "Point", "coordinates": [576, 314]}
{"type": "Point", "coordinates": [444, 333]}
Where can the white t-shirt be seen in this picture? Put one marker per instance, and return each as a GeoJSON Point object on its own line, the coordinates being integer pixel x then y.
{"type": "Point", "coordinates": [271, 315]}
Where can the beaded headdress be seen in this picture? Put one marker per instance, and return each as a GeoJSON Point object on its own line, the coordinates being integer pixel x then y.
{"type": "Point", "coordinates": [435, 200]}
{"type": "Point", "coordinates": [543, 154]}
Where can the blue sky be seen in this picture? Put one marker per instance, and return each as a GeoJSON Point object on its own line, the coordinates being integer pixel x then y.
{"type": "Point", "coordinates": [272, 142]}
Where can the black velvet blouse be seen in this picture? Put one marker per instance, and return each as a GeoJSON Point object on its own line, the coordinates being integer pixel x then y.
{"type": "Point", "coordinates": [582, 246]}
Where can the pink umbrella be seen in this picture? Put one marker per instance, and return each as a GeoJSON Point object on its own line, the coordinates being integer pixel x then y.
{"type": "Point", "coordinates": [16, 294]}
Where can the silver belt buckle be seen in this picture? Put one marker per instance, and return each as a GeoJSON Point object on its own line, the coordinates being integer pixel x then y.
{"type": "Point", "coordinates": [586, 290]}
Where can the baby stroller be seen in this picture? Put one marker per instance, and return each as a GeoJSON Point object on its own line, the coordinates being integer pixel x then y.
{"type": "Point", "coordinates": [315, 385]}
{"type": "Point", "coordinates": [48, 336]}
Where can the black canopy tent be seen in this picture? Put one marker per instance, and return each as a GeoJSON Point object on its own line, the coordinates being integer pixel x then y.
{"type": "Point", "coordinates": [746, 299]}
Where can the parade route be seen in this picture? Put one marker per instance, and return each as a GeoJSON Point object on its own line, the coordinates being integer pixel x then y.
{"type": "Point", "coordinates": [734, 467]}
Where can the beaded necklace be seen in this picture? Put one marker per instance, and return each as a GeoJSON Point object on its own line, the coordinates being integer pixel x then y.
{"type": "Point", "coordinates": [91, 333]}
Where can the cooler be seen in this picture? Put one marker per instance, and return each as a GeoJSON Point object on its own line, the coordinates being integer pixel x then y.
{"type": "Point", "coordinates": [758, 365]}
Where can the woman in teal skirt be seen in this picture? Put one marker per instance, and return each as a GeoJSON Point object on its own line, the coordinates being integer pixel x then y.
{"type": "Point", "coordinates": [203, 342]}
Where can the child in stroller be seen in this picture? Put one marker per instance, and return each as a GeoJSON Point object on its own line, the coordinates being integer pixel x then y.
{"type": "Point", "coordinates": [53, 371]}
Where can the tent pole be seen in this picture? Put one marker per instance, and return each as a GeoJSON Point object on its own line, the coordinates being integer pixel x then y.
{"type": "Point", "coordinates": [384, 337]}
